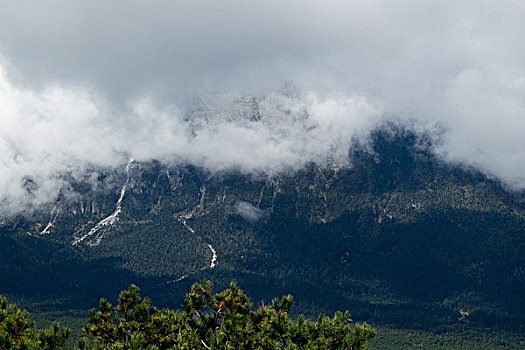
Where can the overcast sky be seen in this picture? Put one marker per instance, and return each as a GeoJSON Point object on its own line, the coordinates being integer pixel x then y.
{"type": "Point", "coordinates": [93, 82]}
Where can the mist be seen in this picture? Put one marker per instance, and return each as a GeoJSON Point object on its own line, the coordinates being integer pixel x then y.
{"type": "Point", "coordinates": [249, 212]}
{"type": "Point", "coordinates": [89, 84]}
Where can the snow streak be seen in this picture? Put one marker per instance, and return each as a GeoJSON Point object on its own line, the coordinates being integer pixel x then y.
{"type": "Point", "coordinates": [54, 214]}
{"type": "Point", "coordinates": [111, 219]}
{"type": "Point", "coordinates": [214, 257]}
{"type": "Point", "coordinates": [184, 217]}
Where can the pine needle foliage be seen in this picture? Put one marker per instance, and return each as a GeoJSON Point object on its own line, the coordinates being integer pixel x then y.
{"type": "Point", "coordinates": [17, 332]}
{"type": "Point", "coordinates": [225, 320]}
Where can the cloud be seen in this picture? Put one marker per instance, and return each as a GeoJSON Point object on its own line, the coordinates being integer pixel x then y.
{"type": "Point", "coordinates": [63, 130]}
{"type": "Point", "coordinates": [88, 83]}
{"type": "Point", "coordinates": [250, 212]}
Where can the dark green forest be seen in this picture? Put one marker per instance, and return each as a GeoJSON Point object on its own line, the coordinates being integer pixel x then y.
{"type": "Point", "coordinates": [429, 253]}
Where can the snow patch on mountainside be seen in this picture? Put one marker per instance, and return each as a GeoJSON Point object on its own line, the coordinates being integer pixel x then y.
{"type": "Point", "coordinates": [214, 256]}
{"type": "Point", "coordinates": [54, 214]}
{"type": "Point", "coordinates": [108, 221]}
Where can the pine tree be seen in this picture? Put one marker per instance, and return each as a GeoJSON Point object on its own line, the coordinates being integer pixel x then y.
{"type": "Point", "coordinates": [17, 332]}
{"type": "Point", "coordinates": [208, 321]}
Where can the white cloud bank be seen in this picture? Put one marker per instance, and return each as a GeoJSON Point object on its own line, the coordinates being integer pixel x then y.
{"type": "Point", "coordinates": [92, 82]}
{"type": "Point", "coordinates": [59, 131]}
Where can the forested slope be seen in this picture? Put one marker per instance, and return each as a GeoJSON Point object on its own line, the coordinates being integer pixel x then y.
{"type": "Point", "coordinates": [396, 236]}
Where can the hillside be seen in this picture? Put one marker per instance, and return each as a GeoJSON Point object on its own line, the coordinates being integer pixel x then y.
{"type": "Point", "coordinates": [399, 238]}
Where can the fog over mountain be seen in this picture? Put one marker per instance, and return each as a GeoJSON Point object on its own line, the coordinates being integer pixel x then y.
{"type": "Point", "coordinates": [89, 84]}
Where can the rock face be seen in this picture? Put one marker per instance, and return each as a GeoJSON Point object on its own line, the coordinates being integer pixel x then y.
{"type": "Point", "coordinates": [397, 238]}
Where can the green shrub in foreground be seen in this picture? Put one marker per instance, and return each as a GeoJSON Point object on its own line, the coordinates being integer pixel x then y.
{"type": "Point", "coordinates": [207, 321]}
{"type": "Point", "coordinates": [216, 321]}
{"type": "Point", "coordinates": [17, 332]}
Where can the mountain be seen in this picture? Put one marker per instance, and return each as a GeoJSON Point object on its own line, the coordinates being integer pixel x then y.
{"type": "Point", "coordinates": [398, 237]}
